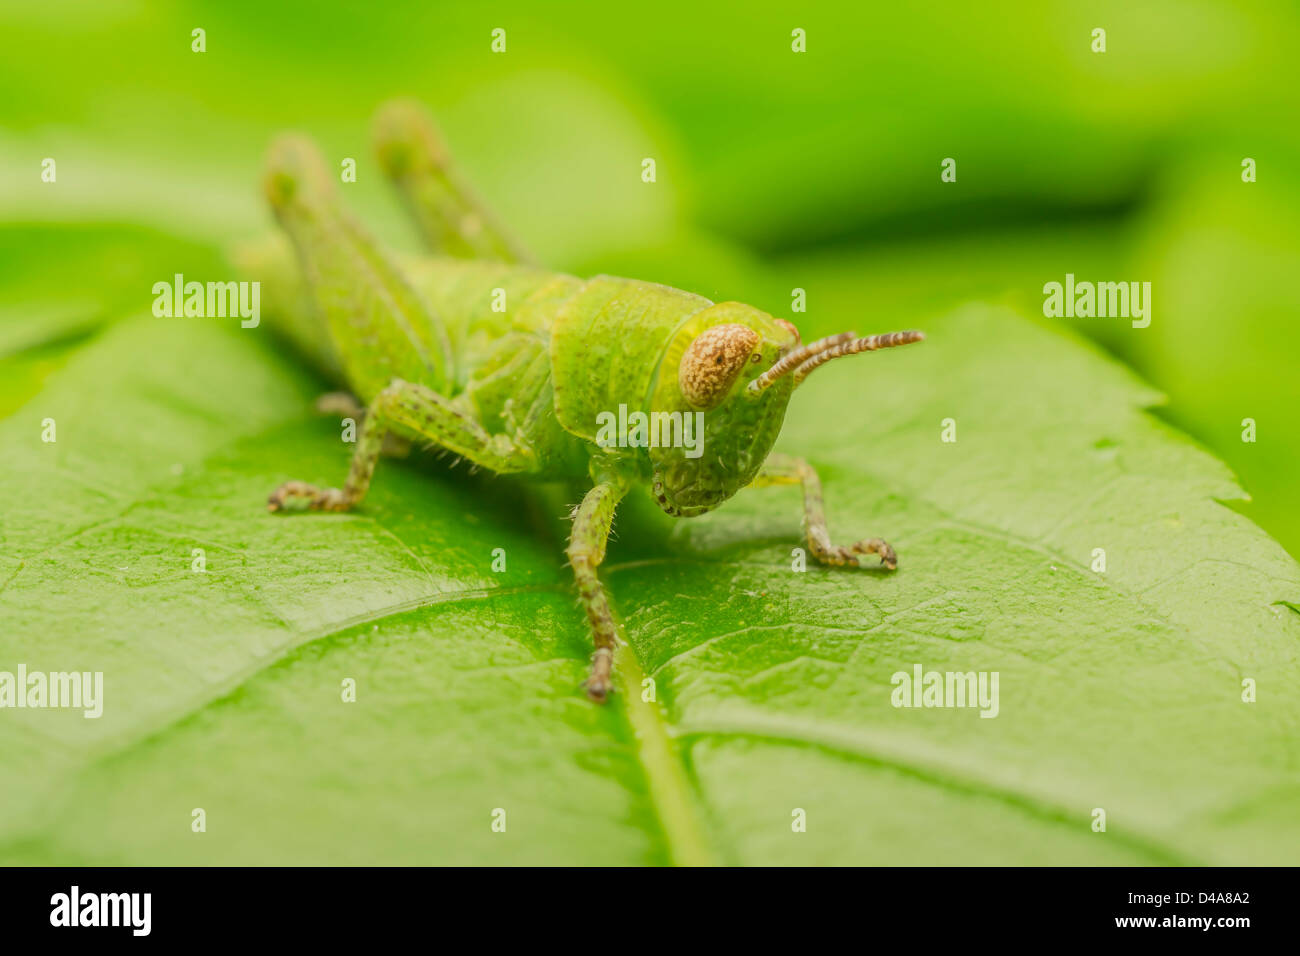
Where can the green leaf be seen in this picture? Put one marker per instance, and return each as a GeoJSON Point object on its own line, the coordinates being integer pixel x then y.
{"type": "Point", "coordinates": [223, 688]}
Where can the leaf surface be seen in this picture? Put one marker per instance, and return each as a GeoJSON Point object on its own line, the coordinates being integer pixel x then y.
{"type": "Point", "coordinates": [223, 688]}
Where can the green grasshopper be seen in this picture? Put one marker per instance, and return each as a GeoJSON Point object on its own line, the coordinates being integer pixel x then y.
{"type": "Point", "coordinates": [522, 392]}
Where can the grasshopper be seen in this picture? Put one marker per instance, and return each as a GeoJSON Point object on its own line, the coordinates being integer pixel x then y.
{"type": "Point", "coordinates": [522, 392]}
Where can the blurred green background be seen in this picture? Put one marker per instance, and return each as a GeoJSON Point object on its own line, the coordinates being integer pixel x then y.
{"type": "Point", "coordinates": [776, 170]}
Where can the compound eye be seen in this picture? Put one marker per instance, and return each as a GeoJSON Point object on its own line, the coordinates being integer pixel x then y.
{"type": "Point", "coordinates": [789, 327]}
{"type": "Point", "coordinates": [711, 363]}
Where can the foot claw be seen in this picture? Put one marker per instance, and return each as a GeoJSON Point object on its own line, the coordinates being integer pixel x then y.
{"type": "Point", "coordinates": [291, 493]}
{"type": "Point", "coordinates": [888, 558]}
{"type": "Point", "coordinates": [600, 684]}
{"type": "Point", "coordinates": [841, 556]}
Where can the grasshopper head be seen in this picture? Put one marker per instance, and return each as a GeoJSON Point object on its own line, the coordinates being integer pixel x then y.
{"type": "Point", "coordinates": [732, 369]}
{"type": "Point", "coordinates": [703, 378]}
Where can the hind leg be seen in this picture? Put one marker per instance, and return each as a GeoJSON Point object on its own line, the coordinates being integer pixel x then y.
{"type": "Point", "coordinates": [449, 216]}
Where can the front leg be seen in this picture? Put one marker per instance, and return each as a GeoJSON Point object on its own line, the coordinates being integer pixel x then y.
{"type": "Point", "coordinates": [416, 410]}
{"type": "Point", "coordinates": [591, 523]}
{"type": "Point", "coordinates": [788, 470]}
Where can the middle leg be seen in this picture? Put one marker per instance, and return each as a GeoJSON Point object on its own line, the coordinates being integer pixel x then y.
{"type": "Point", "coordinates": [417, 410]}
